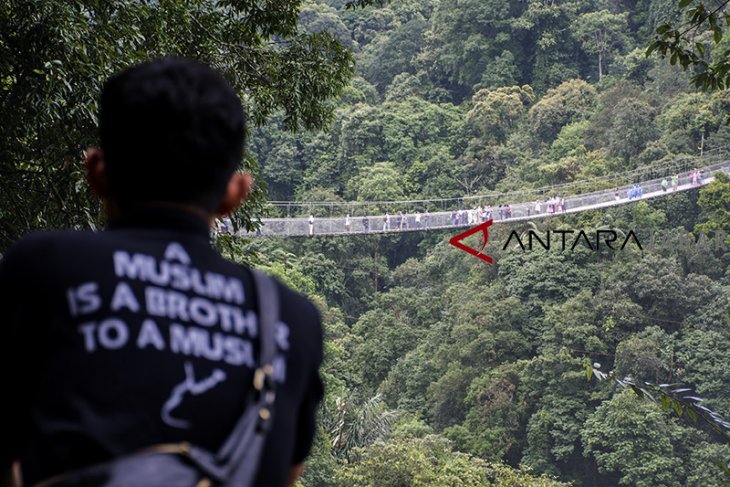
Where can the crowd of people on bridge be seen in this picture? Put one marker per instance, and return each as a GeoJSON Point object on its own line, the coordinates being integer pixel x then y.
{"type": "Point", "coordinates": [401, 221]}
{"type": "Point", "coordinates": [461, 216]}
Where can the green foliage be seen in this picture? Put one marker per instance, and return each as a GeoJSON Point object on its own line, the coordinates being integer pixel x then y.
{"type": "Point", "coordinates": [423, 342]}
{"type": "Point", "coordinates": [379, 182]}
{"type": "Point", "coordinates": [601, 33]}
{"type": "Point", "coordinates": [54, 56]}
{"type": "Point", "coordinates": [633, 438]}
{"type": "Point", "coordinates": [430, 461]}
{"type": "Point", "coordinates": [715, 203]}
{"type": "Point", "coordinates": [683, 44]}
{"type": "Point", "coordinates": [495, 112]}
{"type": "Point", "coordinates": [703, 357]}
{"type": "Point", "coordinates": [570, 102]}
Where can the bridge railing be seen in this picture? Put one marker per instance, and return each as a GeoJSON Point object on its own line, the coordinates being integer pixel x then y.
{"type": "Point", "coordinates": [324, 209]}
{"type": "Point", "coordinates": [422, 219]}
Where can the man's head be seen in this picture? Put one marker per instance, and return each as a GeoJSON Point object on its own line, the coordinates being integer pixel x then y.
{"type": "Point", "coordinates": [172, 131]}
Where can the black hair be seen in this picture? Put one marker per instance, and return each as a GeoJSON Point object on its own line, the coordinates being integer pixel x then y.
{"type": "Point", "coordinates": [172, 130]}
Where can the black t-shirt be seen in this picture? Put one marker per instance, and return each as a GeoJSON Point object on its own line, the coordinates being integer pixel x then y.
{"type": "Point", "coordinates": [142, 334]}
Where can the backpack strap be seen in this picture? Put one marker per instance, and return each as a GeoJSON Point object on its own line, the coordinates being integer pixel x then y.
{"type": "Point", "coordinates": [238, 458]}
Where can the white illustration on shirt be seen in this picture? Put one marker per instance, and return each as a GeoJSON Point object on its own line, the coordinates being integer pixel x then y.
{"type": "Point", "coordinates": [194, 388]}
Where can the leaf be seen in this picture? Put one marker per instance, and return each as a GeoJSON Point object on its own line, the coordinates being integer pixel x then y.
{"type": "Point", "coordinates": [684, 3]}
{"type": "Point", "coordinates": [677, 407]}
{"type": "Point", "coordinates": [652, 48]}
{"type": "Point", "coordinates": [663, 29]}
{"type": "Point", "coordinates": [700, 49]}
{"type": "Point", "coordinates": [666, 402]}
{"type": "Point", "coordinates": [691, 414]}
{"type": "Point", "coordinates": [717, 35]}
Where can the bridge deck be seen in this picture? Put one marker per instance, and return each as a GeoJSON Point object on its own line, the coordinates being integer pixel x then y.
{"type": "Point", "coordinates": [524, 210]}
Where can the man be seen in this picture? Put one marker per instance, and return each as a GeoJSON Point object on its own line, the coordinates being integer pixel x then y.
{"type": "Point", "coordinates": [142, 334]}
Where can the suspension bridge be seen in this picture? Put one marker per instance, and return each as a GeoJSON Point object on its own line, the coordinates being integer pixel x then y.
{"type": "Point", "coordinates": [331, 218]}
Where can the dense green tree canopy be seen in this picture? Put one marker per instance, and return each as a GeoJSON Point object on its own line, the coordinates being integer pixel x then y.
{"type": "Point", "coordinates": [435, 362]}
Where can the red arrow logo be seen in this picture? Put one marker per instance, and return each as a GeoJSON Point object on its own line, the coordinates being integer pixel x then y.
{"type": "Point", "coordinates": [484, 228]}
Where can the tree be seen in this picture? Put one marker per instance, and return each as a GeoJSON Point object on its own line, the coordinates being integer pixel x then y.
{"type": "Point", "coordinates": [715, 203]}
{"type": "Point", "coordinates": [428, 461]}
{"type": "Point", "coordinates": [601, 33]}
{"type": "Point", "coordinates": [495, 112]}
{"type": "Point", "coordinates": [466, 37]}
{"type": "Point", "coordinates": [684, 44]}
{"type": "Point", "coordinates": [391, 54]}
{"type": "Point", "coordinates": [550, 56]}
{"type": "Point", "coordinates": [705, 356]}
{"type": "Point", "coordinates": [570, 102]}
{"type": "Point", "coordinates": [379, 182]}
{"type": "Point", "coordinates": [632, 128]}
{"type": "Point", "coordinates": [633, 438]}
{"type": "Point", "coordinates": [54, 56]}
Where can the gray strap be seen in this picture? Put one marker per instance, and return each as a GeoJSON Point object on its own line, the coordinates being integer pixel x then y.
{"type": "Point", "coordinates": [241, 452]}
{"type": "Point", "coordinates": [268, 301]}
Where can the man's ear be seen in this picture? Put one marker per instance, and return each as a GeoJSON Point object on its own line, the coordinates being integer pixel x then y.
{"type": "Point", "coordinates": [95, 169]}
{"type": "Point", "coordinates": [239, 187]}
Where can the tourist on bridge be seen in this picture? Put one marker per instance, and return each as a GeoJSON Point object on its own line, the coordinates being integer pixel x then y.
{"type": "Point", "coordinates": [665, 184]}
{"type": "Point", "coordinates": [386, 222]}
{"type": "Point", "coordinates": [418, 220]}
{"type": "Point", "coordinates": [365, 224]}
{"type": "Point", "coordinates": [500, 210]}
{"type": "Point", "coordinates": [562, 205]}
{"type": "Point", "coordinates": [694, 175]}
{"type": "Point", "coordinates": [426, 219]}
{"type": "Point", "coordinates": [616, 196]}
{"type": "Point", "coordinates": [347, 222]}
{"type": "Point", "coordinates": [507, 211]}
{"type": "Point", "coordinates": [311, 224]}
{"type": "Point", "coordinates": [538, 208]}
{"type": "Point", "coordinates": [454, 217]}
{"type": "Point", "coordinates": [675, 182]}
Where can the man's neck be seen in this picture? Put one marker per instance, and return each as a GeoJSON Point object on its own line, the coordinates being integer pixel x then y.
{"type": "Point", "coordinates": [115, 212]}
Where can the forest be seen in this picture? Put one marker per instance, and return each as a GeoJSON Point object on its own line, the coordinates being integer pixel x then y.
{"type": "Point", "coordinates": [442, 370]}
{"type": "Point", "coordinates": [546, 368]}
